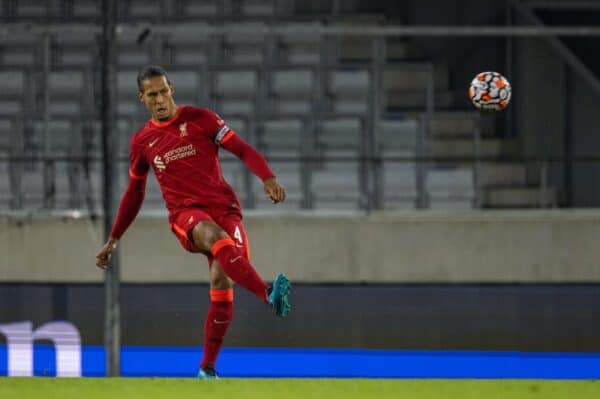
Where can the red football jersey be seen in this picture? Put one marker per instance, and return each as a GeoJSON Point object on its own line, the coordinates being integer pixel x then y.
{"type": "Point", "coordinates": [184, 155]}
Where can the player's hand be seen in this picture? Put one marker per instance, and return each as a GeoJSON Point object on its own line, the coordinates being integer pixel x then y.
{"type": "Point", "coordinates": [103, 257]}
{"type": "Point", "coordinates": [275, 191]}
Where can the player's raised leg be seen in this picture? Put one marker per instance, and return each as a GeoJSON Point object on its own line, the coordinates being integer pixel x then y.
{"type": "Point", "coordinates": [209, 236]}
{"type": "Point", "coordinates": [218, 319]}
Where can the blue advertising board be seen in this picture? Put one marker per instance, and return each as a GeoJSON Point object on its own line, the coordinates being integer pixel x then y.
{"type": "Point", "coordinates": [169, 361]}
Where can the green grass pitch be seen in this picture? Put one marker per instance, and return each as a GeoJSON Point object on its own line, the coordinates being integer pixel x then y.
{"type": "Point", "coordinates": [145, 388]}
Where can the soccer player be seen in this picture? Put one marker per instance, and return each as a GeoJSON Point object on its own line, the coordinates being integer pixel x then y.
{"type": "Point", "coordinates": [181, 145]}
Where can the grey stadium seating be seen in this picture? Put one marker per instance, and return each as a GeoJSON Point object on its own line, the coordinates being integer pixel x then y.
{"type": "Point", "coordinates": [292, 96]}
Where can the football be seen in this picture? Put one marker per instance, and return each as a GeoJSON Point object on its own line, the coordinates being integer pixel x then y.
{"type": "Point", "coordinates": [490, 91]}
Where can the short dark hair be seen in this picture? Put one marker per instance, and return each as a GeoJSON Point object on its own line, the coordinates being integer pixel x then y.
{"type": "Point", "coordinates": [149, 72]}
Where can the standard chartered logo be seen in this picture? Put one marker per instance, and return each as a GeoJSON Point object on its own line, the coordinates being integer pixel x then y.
{"type": "Point", "coordinates": [158, 162]}
{"type": "Point", "coordinates": [173, 155]}
{"type": "Point", "coordinates": [19, 342]}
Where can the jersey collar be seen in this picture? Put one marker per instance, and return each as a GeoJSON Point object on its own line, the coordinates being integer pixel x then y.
{"type": "Point", "coordinates": [170, 121]}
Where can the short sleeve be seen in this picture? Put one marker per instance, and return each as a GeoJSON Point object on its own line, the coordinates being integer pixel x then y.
{"type": "Point", "coordinates": [138, 166]}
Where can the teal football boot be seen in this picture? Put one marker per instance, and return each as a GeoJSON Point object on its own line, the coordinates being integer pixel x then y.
{"type": "Point", "coordinates": [278, 295]}
{"type": "Point", "coordinates": [208, 373]}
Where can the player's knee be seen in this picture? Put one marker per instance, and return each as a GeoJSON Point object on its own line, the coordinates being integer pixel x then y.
{"type": "Point", "coordinates": [205, 235]}
{"type": "Point", "coordinates": [220, 281]}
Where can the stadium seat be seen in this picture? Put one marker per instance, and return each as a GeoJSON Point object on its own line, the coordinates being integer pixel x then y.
{"type": "Point", "coordinates": [240, 125]}
{"type": "Point", "coordinates": [126, 128]}
{"type": "Point", "coordinates": [349, 91]}
{"type": "Point", "coordinates": [336, 186]}
{"type": "Point", "coordinates": [68, 185]}
{"type": "Point", "coordinates": [185, 49]}
{"type": "Point", "coordinates": [398, 135]}
{"type": "Point", "coordinates": [67, 92]}
{"type": "Point", "coordinates": [153, 199]}
{"type": "Point", "coordinates": [13, 83]}
{"type": "Point", "coordinates": [11, 107]}
{"type": "Point", "coordinates": [132, 55]}
{"type": "Point", "coordinates": [341, 136]}
{"type": "Point", "coordinates": [76, 50]}
{"type": "Point", "coordinates": [289, 175]}
{"type": "Point", "coordinates": [299, 49]}
{"type": "Point", "coordinates": [281, 137]}
{"type": "Point", "coordinates": [128, 103]}
{"type": "Point", "coordinates": [399, 184]}
{"type": "Point", "coordinates": [187, 87]}
{"type": "Point", "coordinates": [64, 137]}
{"type": "Point", "coordinates": [13, 92]}
{"type": "Point", "coordinates": [234, 171]}
{"type": "Point", "coordinates": [292, 91]}
{"type": "Point", "coordinates": [144, 10]}
{"type": "Point", "coordinates": [33, 10]}
{"type": "Point", "coordinates": [245, 49]}
{"type": "Point", "coordinates": [7, 128]}
{"type": "Point", "coordinates": [86, 9]}
{"type": "Point", "coordinates": [18, 51]}
{"type": "Point", "coordinates": [200, 9]}
{"type": "Point", "coordinates": [405, 86]}
{"type": "Point", "coordinates": [355, 49]}
{"type": "Point", "coordinates": [11, 142]}
{"type": "Point", "coordinates": [32, 183]}
{"type": "Point", "coordinates": [397, 138]}
{"type": "Point", "coordinates": [5, 187]}
{"type": "Point", "coordinates": [235, 91]}
{"type": "Point", "coordinates": [450, 188]}
{"type": "Point", "coordinates": [258, 8]}
{"type": "Point", "coordinates": [92, 188]}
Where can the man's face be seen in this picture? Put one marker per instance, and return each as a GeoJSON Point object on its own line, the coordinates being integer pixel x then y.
{"type": "Point", "coordinates": [157, 96]}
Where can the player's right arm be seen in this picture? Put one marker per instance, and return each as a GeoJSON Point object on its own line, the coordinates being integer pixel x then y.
{"type": "Point", "coordinates": [130, 203]}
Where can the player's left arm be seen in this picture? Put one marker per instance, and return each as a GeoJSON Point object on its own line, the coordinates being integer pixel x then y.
{"type": "Point", "coordinates": [256, 163]}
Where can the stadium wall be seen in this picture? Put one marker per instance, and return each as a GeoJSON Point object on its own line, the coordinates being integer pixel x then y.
{"type": "Point", "coordinates": [504, 317]}
{"type": "Point", "coordinates": [552, 246]}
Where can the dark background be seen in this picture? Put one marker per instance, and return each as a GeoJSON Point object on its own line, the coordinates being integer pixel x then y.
{"type": "Point", "coordinates": [557, 317]}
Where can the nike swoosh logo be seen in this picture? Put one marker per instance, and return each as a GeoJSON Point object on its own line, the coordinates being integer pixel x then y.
{"type": "Point", "coordinates": [234, 259]}
{"type": "Point", "coordinates": [220, 322]}
{"type": "Point", "coordinates": [152, 142]}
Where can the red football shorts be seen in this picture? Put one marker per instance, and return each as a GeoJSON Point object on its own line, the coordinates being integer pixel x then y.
{"type": "Point", "coordinates": [184, 222]}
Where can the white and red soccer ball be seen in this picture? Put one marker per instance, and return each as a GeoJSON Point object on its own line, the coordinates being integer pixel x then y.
{"type": "Point", "coordinates": [490, 91]}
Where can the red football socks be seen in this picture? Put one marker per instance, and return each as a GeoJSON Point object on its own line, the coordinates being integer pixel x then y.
{"type": "Point", "coordinates": [237, 267]}
{"type": "Point", "coordinates": [218, 319]}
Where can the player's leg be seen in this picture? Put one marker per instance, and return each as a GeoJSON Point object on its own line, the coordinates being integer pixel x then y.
{"type": "Point", "coordinates": [211, 239]}
{"type": "Point", "coordinates": [218, 319]}
{"type": "Point", "coordinates": [278, 293]}
{"type": "Point", "coordinates": [198, 232]}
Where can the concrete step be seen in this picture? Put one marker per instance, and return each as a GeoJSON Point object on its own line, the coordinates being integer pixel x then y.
{"type": "Point", "coordinates": [400, 78]}
{"type": "Point", "coordinates": [518, 197]}
{"type": "Point", "coordinates": [398, 50]}
{"type": "Point", "coordinates": [457, 124]}
{"type": "Point", "coordinates": [502, 175]}
{"type": "Point", "coordinates": [396, 100]}
{"type": "Point", "coordinates": [488, 148]}
{"type": "Point", "coordinates": [360, 50]}
{"type": "Point", "coordinates": [357, 49]}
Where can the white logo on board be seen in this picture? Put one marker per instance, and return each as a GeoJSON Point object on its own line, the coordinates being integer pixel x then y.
{"type": "Point", "coordinates": [19, 343]}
